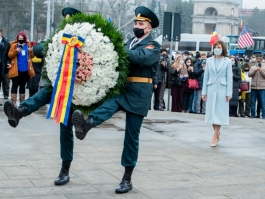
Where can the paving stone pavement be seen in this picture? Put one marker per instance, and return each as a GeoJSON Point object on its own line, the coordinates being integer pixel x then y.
{"type": "Point", "coordinates": [175, 159]}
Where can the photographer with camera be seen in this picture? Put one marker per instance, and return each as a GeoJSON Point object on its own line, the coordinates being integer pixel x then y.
{"type": "Point", "coordinates": [199, 68]}
{"type": "Point", "coordinates": [20, 53]}
{"type": "Point", "coordinates": [161, 80]}
{"type": "Point", "coordinates": [257, 72]}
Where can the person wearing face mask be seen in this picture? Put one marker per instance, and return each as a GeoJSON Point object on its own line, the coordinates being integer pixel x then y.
{"type": "Point", "coordinates": [143, 56]}
{"type": "Point", "coordinates": [240, 62]}
{"type": "Point", "coordinates": [159, 80]}
{"type": "Point", "coordinates": [253, 61]}
{"type": "Point", "coordinates": [217, 89]}
{"type": "Point", "coordinates": [199, 69]}
{"type": "Point", "coordinates": [185, 55]}
{"type": "Point", "coordinates": [20, 53]}
{"type": "Point", "coordinates": [4, 64]}
{"type": "Point", "coordinates": [178, 77]}
{"type": "Point", "coordinates": [187, 92]}
{"type": "Point", "coordinates": [245, 101]}
{"type": "Point", "coordinates": [246, 60]}
{"type": "Point", "coordinates": [162, 73]}
{"type": "Point", "coordinates": [257, 72]}
{"type": "Point", "coordinates": [233, 103]}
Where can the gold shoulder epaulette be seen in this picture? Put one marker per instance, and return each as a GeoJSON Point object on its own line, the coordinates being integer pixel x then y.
{"type": "Point", "coordinates": [36, 60]}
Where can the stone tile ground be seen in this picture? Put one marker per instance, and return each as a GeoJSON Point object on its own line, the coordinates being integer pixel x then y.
{"type": "Point", "coordinates": [175, 159]}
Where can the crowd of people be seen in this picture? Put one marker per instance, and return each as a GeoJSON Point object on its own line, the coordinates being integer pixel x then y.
{"type": "Point", "coordinates": [248, 96]}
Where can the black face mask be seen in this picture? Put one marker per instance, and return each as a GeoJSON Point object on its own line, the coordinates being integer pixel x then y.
{"type": "Point", "coordinates": [246, 70]}
{"type": "Point", "coordinates": [138, 32]}
{"type": "Point", "coordinates": [21, 41]}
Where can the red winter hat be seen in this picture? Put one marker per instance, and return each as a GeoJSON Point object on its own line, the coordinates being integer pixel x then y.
{"type": "Point", "coordinates": [22, 34]}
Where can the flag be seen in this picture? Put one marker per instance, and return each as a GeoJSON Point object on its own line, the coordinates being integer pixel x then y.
{"type": "Point", "coordinates": [245, 39]}
{"type": "Point", "coordinates": [214, 37]}
{"type": "Point", "coordinates": [241, 24]}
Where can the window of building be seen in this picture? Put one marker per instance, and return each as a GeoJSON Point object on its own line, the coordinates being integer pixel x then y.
{"type": "Point", "coordinates": [211, 11]}
{"type": "Point", "coordinates": [205, 46]}
{"type": "Point", "coordinates": [187, 45]}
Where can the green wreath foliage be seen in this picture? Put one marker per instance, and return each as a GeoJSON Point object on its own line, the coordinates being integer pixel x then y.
{"type": "Point", "coordinates": [115, 36]}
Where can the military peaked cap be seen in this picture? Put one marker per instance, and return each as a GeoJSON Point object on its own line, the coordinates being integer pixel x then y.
{"type": "Point", "coordinates": [68, 12]}
{"type": "Point", "coordinates": [38, 49]}
{"type": "Point", "coordinates": [145, 14]}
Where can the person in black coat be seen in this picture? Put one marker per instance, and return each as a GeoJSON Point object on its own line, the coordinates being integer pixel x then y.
{"type": "Point", "coordinates": [187, 92]}
{"type": "Point", "coordinates": [37, 63]}
{"type": "Point", "coordinates": [161, 80]}
{"type": "Point", "coordinates": [4, 63]}
{"type": "Point", "coordinates": [199, 68]}
{"type": "Point", "coordinates": [233, 103]}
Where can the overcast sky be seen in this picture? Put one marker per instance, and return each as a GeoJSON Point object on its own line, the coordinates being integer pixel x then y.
{"type": "Point", "coordinates": [254, 3]}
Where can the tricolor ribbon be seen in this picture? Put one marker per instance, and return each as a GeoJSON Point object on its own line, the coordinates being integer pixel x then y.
{"type": "Point", "coordinates": [64, 84]}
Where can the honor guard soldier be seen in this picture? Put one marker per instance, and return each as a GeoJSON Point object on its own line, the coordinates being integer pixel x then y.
{"type": "Point", "coordinates": [143, 56]}
{"type": "Point", "coordinates": [32, 104]}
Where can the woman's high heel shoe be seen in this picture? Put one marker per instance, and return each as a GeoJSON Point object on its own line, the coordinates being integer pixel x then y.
{"type": "Point", "coordinates": [213, 145]}
{"type": "Point", "coordinates": [218, 139]}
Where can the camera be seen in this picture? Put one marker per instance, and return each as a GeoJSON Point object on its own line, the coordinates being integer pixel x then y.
{"type": "Point", "coordinates": [203, 61]}
{"type": "Point", "coordinates": [259, 65]}
{"type": "Point", "coordinates": [19, 46]}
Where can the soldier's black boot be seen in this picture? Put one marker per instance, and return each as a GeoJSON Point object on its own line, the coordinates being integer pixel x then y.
{"type": "Point", "coordinates": [126, 184]}
{"type": "Point", "coordinates": [63, 177]}
{"type": "Point", "coordinates": [13, 113]}
{"type": "Point", "coordinates": [81, 125]}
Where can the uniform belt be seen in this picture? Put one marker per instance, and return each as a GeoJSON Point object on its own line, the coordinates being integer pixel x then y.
{"type": "Point", "coordinates": [140, 79]}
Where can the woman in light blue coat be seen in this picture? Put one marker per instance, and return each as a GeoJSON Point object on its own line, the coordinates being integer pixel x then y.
{"type": "Point", "coordinates": [217, 89]}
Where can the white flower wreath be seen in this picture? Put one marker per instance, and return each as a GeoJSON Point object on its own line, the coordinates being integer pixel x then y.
{"type": "Point", "coordinates": [105, 59]}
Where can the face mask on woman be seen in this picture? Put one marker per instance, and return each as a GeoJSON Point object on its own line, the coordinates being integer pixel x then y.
{"type": "Point", "coordinates": [246, 69]}
{"type": "Point", "coordinates": [188, 64]}
{"type": "Point", "coordinates": [233, 63]}
{"type": "Point", "coordinates": [253, 59]}
{"type": "Point", "coordinates": [21, 41]}
{"type": "Point", "coordinates": [217, 51]}
{"type": "Point", "coordinates": [181, 62]}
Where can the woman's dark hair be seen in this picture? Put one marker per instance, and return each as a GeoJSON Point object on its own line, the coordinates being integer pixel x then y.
{"type": "Point", "coordinates": [163, 50]}
{"type": "Point", "coordinates": [190, 60]}
{"type": "Point", "coordinates": [22, 34]}
{"type": "Point", "coordinates": [198, 55]}
{"type": "Point", "coordinates": [246, 65]}
{"type": "Point", "coordinates": [224, 52]}
{"type": "Point", "coordinates": [236, 62]}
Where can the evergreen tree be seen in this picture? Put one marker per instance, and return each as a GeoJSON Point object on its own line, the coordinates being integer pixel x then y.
{"type": "Point", "coordinates": [255, 21]}
{"type": "Point", "coordinates": [179, 9]}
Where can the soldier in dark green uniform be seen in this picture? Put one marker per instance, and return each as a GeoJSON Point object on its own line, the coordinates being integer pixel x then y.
{"type": "Point", "coordinates": [32, 104]}
{"type": "Point", "coordinates": [144, 56]}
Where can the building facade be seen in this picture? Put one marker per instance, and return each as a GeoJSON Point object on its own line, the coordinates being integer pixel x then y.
{"type": "Point", "coordinates": [222, 14]}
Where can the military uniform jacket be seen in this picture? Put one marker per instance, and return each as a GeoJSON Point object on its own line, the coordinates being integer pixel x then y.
{"type": "Point", "coordinates": [143, 62]}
